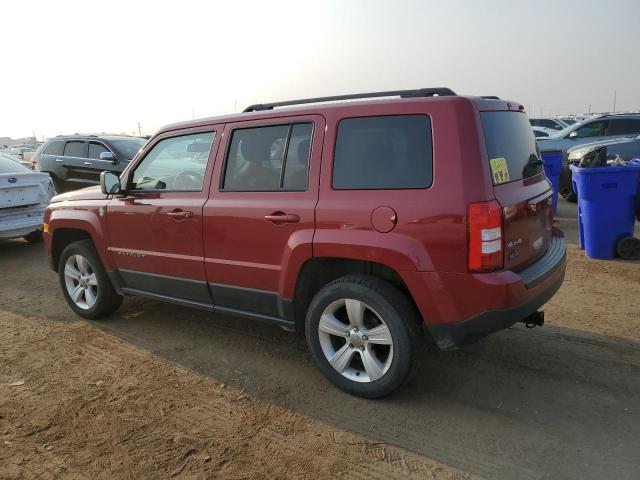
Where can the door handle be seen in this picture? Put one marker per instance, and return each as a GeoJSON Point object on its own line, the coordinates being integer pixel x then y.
{"type": "Point", "coordinates": [59, 160]}
{"type": "Point", "coordinates": [87, 163]}
{"type": "Point", "coordinates": [280, 218]}
{"type": "Point", "coordinates": [177, 214]}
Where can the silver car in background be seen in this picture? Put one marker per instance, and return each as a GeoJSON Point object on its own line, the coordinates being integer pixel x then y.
{"type": "Point", "coordinates": [24, 195]}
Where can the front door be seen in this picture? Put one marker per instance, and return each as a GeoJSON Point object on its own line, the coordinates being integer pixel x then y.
{"type": "Point", "coordinates": [259, 219]}
{"type": "Point", "coordinates": [155, 231]}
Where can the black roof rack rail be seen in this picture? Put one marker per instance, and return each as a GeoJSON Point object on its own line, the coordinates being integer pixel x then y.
{"type": "Point", "coordinates": [490, 97]}
{"type": "Point", "coordinates": [420, 92]}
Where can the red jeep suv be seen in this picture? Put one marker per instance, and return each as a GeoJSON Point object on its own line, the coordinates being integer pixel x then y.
{"type": "Point", "coordinates": [369, 225]}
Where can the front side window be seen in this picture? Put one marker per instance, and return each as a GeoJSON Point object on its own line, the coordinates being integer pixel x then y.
{"type": "Point", "coordinates": [624, 126]}
{"type": "Point", "coordinates": [54, 148]}
{"type": "Point", "coordinates": [269, 158]}
{"type": "Point", "coordinates": [175, 164]}
{"type": "Point", "coordinates": [75, 149]}
{"type": "Point", "coordinates": [540, 134]}
{"type": "Point", "coordinates": [593, 129]}
{"type": "Point", "coordinates": [95, 149]}
{"type": "Point", "coordinates": [389, 152]}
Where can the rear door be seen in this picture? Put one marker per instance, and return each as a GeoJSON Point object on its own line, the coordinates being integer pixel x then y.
{"type": "Point", "coordinates": [520, 186]}
{"type": "Point", "coordinates": [623, 127]}
{"type": "Point", "coordinates": [259, 219]}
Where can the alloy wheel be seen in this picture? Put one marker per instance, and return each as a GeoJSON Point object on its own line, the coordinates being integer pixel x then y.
{"type": "Point", "coordinates": [355, 340]}
{"type": "Point", "coordinates": [81, 282]}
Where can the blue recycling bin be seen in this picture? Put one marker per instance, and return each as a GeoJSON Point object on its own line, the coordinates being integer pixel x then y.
{"type": "Point", "coordinates": [552, 164]}
{"type": "Point", "coordinates": [606, 207]}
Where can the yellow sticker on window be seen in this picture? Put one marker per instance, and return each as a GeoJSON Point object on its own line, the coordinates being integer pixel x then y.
{"type": "Point", "coordinates": [499, 170]}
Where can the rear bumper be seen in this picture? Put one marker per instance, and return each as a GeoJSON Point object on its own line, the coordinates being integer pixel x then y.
{"type": "Point", "coordinates": [458, 308]}
{"type": "Point", "coordinates": [20, 223]}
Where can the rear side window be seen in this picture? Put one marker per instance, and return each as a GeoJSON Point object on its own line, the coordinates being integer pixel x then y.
{"type": "Point", "coordinates": [624, 126]}
{"type": "Point", "coordinates": [269, 158]}
{"type": "Point", "coordinates": [510, 145]}
{"type": "Point", "coordinates": [75, 149]}
{"type": "Point", "coordinates": [95, 149]}
{"type": "Point", "coordinates": [390, 152]}
{"type": "Point", "coordinates": [54, 148]}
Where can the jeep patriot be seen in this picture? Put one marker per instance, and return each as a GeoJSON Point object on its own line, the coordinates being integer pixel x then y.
{"type": "Point", "coordinates": [369, 225]}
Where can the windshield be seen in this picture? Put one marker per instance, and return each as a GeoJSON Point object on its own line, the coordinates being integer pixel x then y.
{"type": "Point", "coordinates": [129, 147]}
{"type": "Point", "coordinates": [510, 145]}
{"type": "Point", "coordinates": [10, 165]}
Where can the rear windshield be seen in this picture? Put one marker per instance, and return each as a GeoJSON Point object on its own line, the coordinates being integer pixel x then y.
{"type": "Point", "coordinates": [511, 146]}
{"type": "Point", "coordinates": [9, 165]}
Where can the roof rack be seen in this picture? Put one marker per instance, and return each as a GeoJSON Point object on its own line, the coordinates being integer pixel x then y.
{"type": "Point", "coordinates": [490, 97]}
{"type": "Point", "coordinates": [421, 92]}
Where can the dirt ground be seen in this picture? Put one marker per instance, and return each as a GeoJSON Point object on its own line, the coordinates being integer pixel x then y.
{"type": "Point", "coordinates": [160, 391]}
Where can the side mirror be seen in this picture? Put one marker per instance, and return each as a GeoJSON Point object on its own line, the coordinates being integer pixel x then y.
{"type": "Point", "coordinates": [110, 183]}
{"type": "Point", "coordinates": [573, 134]}
{"type": "Point", "coordinates": [109, 156]}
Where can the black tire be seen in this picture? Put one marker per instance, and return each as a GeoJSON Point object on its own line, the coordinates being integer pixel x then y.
{"type": "Point", "coordinates": [57, 184]}
{"type": "Point", "coordinates": [572, 197]}
{"type": "Point", "coordinates": [34, 237]}
{"type": "Point", "coordinates": [399, 315]}
{"type": "Point", "coordinates": [628, 248]}
{"type": "Point", "coordinates": [107, 299]}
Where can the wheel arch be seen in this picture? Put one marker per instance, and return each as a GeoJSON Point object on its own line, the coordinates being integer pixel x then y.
{"type": "Point", "coordinates": [317, 272]}
{"type": "Point", "coordinates": [73, 226]}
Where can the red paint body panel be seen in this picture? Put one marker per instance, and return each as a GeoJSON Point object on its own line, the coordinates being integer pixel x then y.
{"type": "Point", "coordinates": [244, 249]}
{"type": "Point", "coordinates": [228, 240]}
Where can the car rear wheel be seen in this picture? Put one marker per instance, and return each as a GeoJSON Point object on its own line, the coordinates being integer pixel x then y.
{"type": "Point", "coordinates": [85, 283]}
{"type": "Point", "coordinates": [364, 334]}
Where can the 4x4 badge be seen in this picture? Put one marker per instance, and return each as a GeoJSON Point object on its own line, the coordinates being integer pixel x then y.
{"type": "Point", "coordinates": [101, 211]}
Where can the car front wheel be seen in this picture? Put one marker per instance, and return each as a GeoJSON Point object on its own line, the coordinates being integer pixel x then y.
{"type": "Point", "coordinates": [364, 334]}
{"type": "Point", "coordinates": [85, 283]}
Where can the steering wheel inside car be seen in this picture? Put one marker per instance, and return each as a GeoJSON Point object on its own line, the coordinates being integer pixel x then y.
{"type": "Point", "coordinates": [188, 180]}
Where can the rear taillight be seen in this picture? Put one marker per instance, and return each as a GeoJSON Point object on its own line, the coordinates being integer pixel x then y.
{"type": "Point", "coordinates": [485, 236]}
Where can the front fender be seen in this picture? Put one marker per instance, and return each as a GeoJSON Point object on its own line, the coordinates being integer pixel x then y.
{"type": "Point", "coordinates": [87, 218]}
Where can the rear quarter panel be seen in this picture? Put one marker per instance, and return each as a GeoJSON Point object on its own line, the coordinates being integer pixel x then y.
{"type": "Point", "coordinates": [430, 234]}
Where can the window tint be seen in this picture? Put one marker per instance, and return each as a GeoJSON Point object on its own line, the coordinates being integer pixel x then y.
{"type": "Point", "coordinates": [510, 146]}
{"type": "Point", "coordinates": [75, 149]}
{"type": "Point", "coordinates": [54, 148]}
{"type": "Point", "coordinates": [257, 160]}
{"type": "Point", "coordinates": [383, 153]}
{"type": "Point", "coordinates": [297, 160]}
{"type": "Point", "coordinates": [593, 129]}
{"type": "Point", "coordinates": [539, 134]}
{"type": "Point", "coordinates": [176, 164]}
{"type": "Point", "coordinates": [95, 149]}
{"type": "Point", "coordinates": [623, 126]}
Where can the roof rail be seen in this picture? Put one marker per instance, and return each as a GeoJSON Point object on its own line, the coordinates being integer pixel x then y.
{"type": "Point", "coordinates": [421, 92]}
{"type": "Point", "coordinates": [490, 97]}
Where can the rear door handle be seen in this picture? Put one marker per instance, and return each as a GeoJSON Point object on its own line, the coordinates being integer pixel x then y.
{"type": "Point", "coordinates": [177, 214]}
{"type": "Point", "coordinates": [59, 160]}
{"type": "Point", "coordinates": [87, 163]}
{"type": "Point", "coordinates": [280, 218]}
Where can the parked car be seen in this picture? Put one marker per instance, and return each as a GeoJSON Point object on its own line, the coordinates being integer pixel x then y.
{"type": "Point", "coordinates": [21, 161]}
{"type": "Point", "coordinates": [626, 148]}
{"type": "Point", "coordinates": [542, 132]}
{"type": "Point", "coordinates": [337, 219]}
{"type": "Point", "coordinates": [24, 195]}
{"type": "Point", "coordinates": [548, 122]}
{"type": "Point", "coordinates": [76, 161]}
{"type": "Point", "coordinates": [596, 129]}
{"type": "Point", "coordinates": [568, 120]}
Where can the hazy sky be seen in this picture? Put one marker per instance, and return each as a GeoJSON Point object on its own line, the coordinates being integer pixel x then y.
{"type": "Point", "coordinates": [93, 66]}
